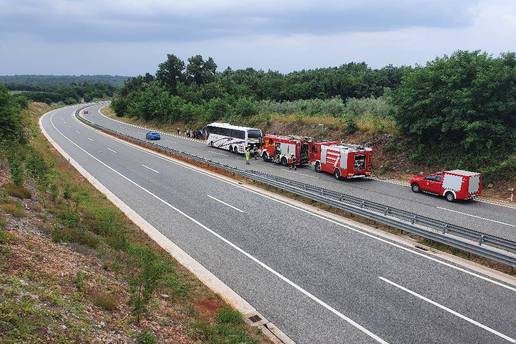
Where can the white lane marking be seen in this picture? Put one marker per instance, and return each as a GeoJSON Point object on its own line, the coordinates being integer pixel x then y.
{"type": "Point", "coordinates": [248, 255]}
{"type": "Point", "coordinates": [147, 167]}
{"type": "Point", "coordinates": [229, 205]}
{"type": "Point", "coordinates": [112, 150]}
{"type": "Point", "coordinates": [89, 138]}
{"type": "Point", "coordinates": [372, 236]}
{"type": "Point", "coordinates": [77, 131]}
{"type": "Point", "coordinates": [476, 323]}
{"type": "Point", "coordinates": [478, 217]}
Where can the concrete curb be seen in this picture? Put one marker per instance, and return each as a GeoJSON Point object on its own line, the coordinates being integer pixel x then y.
{"type": "Point", "coordinates": [251, 316]}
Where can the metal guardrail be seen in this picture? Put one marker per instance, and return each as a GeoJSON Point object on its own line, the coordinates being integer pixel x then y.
{"type": "Point", "coordinates": [478, 243]}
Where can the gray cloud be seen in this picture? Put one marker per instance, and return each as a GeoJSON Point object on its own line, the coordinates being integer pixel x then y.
{"type": "Point", "coordinates": [143, 21]}
{"type": "Point", "coordinates": [133, 36]}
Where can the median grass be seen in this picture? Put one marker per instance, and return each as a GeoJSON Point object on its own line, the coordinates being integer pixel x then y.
{"type": "Point", "coordinates": [98, 269]}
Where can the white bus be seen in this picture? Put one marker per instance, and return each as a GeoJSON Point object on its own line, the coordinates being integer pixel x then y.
{"type": "Point", "coordinates": [233, 138]}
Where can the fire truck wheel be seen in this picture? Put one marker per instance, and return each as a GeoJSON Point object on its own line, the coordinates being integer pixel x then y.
{"type": "Point", "coordinates": [265, 157]}
{"type": "Point", "coordinates": [284, 161]}
{"type": "Point", "coordinates": [449, 197]}
{"type": "Point", "coordinates": [318, 167]}
{"type": "Point", "coordinates": [336, 173]}
{"type": "Point", "coordinates": [415, 188]}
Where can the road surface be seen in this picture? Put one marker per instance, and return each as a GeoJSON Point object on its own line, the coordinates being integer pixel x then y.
{"type": "Point", "coordinates": [317, 279]}
{"type": "Point", "coordinates": [484, 217]}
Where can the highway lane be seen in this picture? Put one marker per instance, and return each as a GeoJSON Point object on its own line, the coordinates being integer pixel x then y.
{"type": "Point", "coordinates": [488, 218]}
{"type": "Point", "coordinates": [318, 280]}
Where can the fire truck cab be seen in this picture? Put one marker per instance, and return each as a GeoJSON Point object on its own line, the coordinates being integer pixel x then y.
{"type": "Point", "coordinates": [342, 160]}
{"type": "Point", "coordinates": [280, 149]}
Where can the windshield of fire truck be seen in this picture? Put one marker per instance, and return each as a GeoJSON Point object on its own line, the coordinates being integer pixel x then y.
{"type": "Point", "coordinates": [360, 162]}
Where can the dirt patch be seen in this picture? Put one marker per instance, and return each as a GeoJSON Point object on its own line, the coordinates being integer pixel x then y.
{"type": "Point", "coordinates": [208, 308]}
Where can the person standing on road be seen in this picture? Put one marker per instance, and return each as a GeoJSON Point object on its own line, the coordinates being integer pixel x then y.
{"type": "Point", "coordinates": [247, 155]}
{"type": "Point", "coordinates": [293, 161]}
{"type": "Point", "coordinates": [178, 131]}
{"type": "Point", "coordinates": [256, 152]}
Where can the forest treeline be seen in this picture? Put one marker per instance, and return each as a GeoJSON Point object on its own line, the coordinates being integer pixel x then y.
{"type": "Point", "coordinates": [26, 81]}
{"type": "Point", "coordinates": [67, 89]}
{"type": "Point", "coordinates": [457, 110]}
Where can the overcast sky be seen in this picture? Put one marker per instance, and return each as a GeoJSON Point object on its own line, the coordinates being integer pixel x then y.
{"type": "Point", "coordinates": [133, 36]}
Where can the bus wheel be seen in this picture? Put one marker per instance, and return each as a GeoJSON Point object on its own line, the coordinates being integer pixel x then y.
{"type": "Point", "coordinates": [265, 157]}
{"type": "Point", "coordinates": [284, 161]}
{"type": "Point", "coordinates": [318, 167]}
{"type": "Point", "coordinates": [235, 149]}
{"type": "Point", "coordinates": [336, 173]}
{"type": "Point", "coordinates": [449, 197]}
{"type": "Point", "coordinates": [211, 143]}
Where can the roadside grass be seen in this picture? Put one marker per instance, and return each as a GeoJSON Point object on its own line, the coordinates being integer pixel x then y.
{"type": "Point", "coordinates": [334, 127]}
{"type": "Point", "coordinates": [17, 191]}
{"type": "Point", "coordinates": [85, 219]}
{"type": "Point", "coordinates": [23, 319]}
{"type": "Point", "coordinates": [13, 207]}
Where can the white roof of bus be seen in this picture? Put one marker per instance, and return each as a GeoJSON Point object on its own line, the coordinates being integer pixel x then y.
{"type": "Point", "coordinates": [230, 126]}
{"type": "Point", "coordinates": [463, 173]}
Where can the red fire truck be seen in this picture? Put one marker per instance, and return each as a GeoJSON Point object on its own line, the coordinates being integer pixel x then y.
{"type": "Point", "coordinates": [452, 185]}
{"type": "Point", "coordinates": [342, 160]}
{"type": "Point", "coordinates": [279, 149]}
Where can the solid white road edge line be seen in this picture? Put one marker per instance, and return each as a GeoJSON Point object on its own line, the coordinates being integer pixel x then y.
{"type": "Point", "coordinates": [229, 243]}
{"type": "Point", "coordinates": [477, 217]}
{"type": "Point", "coordinates": [147, 167]}
{"type": "Point", "coordinates": [362, 231]}
{"type": "Point", "coordinates": [203, 274]}
{"type": "Point", "coordinates": [476, 323]}
{"type": "Point", "coordinates": [229, 205]}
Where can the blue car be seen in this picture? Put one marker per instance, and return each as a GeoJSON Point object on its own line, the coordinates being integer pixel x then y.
{"type": "Point", "coordinates": [153, 135]}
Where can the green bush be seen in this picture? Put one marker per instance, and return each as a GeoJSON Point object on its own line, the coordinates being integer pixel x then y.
{"type": "Point", "coordinates": [146, 337]}
{"type": "Point", "coordinates": [104, 300]}
{"type": "Point", "coordinates": [459, 110]}
{"type": "Point", "coordinates": [79, 280]}
{"type": "Point", "coordinates": [145, 279]}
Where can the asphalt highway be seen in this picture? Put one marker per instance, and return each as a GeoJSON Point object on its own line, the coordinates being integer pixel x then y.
{"type": "Point", "coordinates": [484, 217]}
{"type": "Point", "coordinates": [317, 279]}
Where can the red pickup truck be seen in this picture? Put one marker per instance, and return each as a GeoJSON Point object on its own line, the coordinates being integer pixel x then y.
{"type": "Point", "coordinates": [452, 185]}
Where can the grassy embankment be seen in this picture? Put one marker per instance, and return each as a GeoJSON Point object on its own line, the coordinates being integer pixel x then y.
{"type": "Point", "coordinates": [73, 268]}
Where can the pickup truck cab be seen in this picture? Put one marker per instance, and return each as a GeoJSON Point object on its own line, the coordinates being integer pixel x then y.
{"type": "Point", "coordinates": [452, 185]}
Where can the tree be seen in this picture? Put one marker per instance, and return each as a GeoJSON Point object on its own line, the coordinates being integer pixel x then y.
{"type": "Point", "coordinates": [10, 121]}
{"type": "Point", "coordinates": [199, 71]}
{"type": "Point", "coordinates": [170, 72]}
{"type": "Point", "coordinates": [460, 108]}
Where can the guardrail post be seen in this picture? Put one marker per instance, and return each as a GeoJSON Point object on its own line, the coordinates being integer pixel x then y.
{"type": "Point", "coordinates": [481, 240]}
{"type": "Point", "coordinates": [414, 219]}
{"type": "Point", "coordinates": [445, 229]}
{"type": "Point", "coordinates": [386, 212]}
{"type": "Point", "coordinates": [362, 204]}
